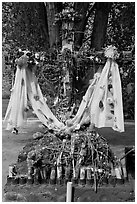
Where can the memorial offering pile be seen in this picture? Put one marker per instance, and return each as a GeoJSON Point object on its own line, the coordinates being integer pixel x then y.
{"type": "Point", "coordinates": [84, 158]}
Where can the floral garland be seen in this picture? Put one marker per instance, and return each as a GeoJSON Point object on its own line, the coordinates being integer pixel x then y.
{"type": "Point", "coordinates": [111, 52]}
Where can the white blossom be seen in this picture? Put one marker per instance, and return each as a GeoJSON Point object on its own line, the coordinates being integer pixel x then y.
{"type": "Point", "coordinates": [111, 52]}
{"type": "Point", "coordinates": [37, 55]}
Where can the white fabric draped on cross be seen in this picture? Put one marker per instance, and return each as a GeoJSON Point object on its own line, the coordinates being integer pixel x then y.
{"type": "Point", "coordinates": [101, 105]}
{"type": "Point", "coordinates": [26, 87]}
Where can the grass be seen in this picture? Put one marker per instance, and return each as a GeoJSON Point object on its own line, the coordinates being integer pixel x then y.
{"type": "Point", "coordinates": [126, 138]}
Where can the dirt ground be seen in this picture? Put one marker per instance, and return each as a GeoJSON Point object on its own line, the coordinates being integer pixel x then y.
{"type": "Point", "coordinates": [57, 193]}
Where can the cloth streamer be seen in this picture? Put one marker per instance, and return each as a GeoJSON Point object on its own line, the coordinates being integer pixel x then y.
{"type": "Point", "coordinates": [26, 87]}
{"type": "Point", "coordinates": [101, 105]}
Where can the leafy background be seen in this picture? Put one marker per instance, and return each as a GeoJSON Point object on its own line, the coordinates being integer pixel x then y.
{"type": "Point", "coordinates": [24, 25]}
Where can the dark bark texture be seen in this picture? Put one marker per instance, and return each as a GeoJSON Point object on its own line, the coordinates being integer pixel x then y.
{"type": "Point", "coordinates": [100, 24]}
{"type": "Point", "coordinates": [54, 29]}
{"type": "Point", "coordinates": [79, 27]}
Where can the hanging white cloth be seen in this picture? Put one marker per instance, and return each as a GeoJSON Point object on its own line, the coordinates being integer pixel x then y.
{"type": "Point", "coordinates": [38, 103]}
{"type": "Point", "coordinates": [15, 115]}
{"type": "Point", "coordinates": [102, 103]}
{"type": "Point", "coordinates": [26, 87]}
{"type": "Point", "coordinates": [106, 108]}
{"type": "Point", "coordinates": [82, 116]}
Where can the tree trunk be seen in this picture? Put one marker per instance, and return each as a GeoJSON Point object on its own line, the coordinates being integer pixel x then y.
{"type": "Point", "coordinates": [100, 24]}
{"type": "Point", "coordinates": [54, 29]}
{"type": "Point", "coordinates": [80, 26]}
{"type": "Point", "coordinates": [43, 21]}
{"type": "Point", "coordinates": [58, 9]}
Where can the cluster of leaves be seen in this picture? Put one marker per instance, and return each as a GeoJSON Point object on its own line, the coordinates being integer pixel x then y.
{"type": "Point", "coordinates": [68, 13]}
{"type": "Point", "coordinates": [128, 80]}
{"type": "Point", "coordinates": [121, 30]}
{"type": "Point", "coordinates": [88, 150]}
{"type": "Point", "coordinates": [21, 26]}
{"type": "Point", "coordinates": [121, 33]}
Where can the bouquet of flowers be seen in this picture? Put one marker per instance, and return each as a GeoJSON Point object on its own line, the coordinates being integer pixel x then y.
{"type": "Point", "coordinates": [111, 52]}
{"type": "Point", "coordinates": [26, 58]}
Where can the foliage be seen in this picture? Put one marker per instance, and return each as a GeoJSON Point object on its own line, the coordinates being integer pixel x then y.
{"type": "Point", "coordinates": [88, 150]}
{"type": "Point", "coordinates": [121, 33]}
{"type": "Point", "coordinates": [128, 79]}
{"type": "Point", "coordinates": [121, 30]}
{"type": "Point", "coordinates": [68, 13]}
{"type": "Point", "coordinates": [22, 29]}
